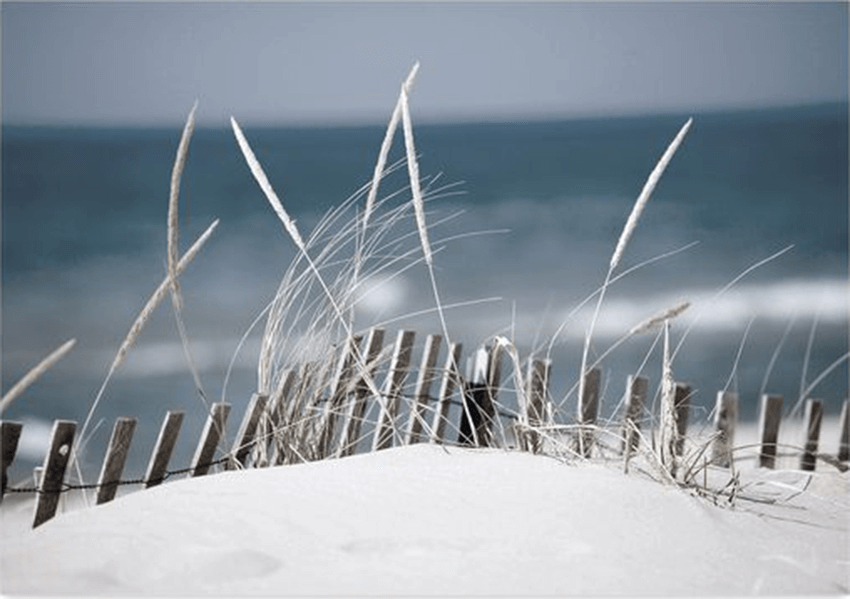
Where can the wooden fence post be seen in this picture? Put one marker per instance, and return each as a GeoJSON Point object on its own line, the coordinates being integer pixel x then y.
{"type": "Point", "coordinates": [844, 443]}
{"type": "Point", "coordinates": [338, 393]}
{"type": "Point", "coordinates": [162, 450]}
{"type": "Point", "coordinates": [771, 416]}
{"type": "Point", "coordinates": [212, 433]}
{"type": "Point", "coordinates": [813, 418]}
{"type": "Point", "coordinates": [588, 408]}
{"type": "Point", "coordinates": [53, 473]}
{"type": "Point", "coordinates": [636, 391]}
{"type": "Point", "coordinates": [357, 411]}
{"type": "Point", "coordinates": [244, 441]}
{"type": "Point", "coordinates": [725, 419]}
{"type": "Point", "coordinates": [448, 383]}
{"type": "Point", "coordinates": [422, 394]}
{"type": "Point", "coordinates": [270, 451]}
{"type": "Point", "coordinates": [477, 411]}
{"type": "Point", "coordinates": [10, 432]}
{"type": "Point", "coordinates": [113, 461]}
{"type": "Point", "coordinates": [683, 405]}
{"type": "Point", "coordinates": [385, 431]}
{"type": "Point", "coordinates": [539, 372]}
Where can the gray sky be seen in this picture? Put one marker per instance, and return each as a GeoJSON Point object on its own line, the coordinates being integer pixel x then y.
{"type": "Point", "coordinates": [146, 63]}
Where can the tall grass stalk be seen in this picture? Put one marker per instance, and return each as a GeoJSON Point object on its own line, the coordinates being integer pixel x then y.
{"type": "Point", "coordinates": [628, 230]}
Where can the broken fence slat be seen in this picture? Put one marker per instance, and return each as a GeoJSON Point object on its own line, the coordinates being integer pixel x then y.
{"type": "Point", "coordinates": [162, 450]}
{"type": "Point", "coordinates": [245, 436]}
{"type": "Point", "coordinates": [10, 434]}
{"type": "Point", "coordinates": [588, 409]}
{"type": "Point", "coordinates": [539, 372]}
{"type": "Point", "coordinates": [725, 420]}
{"type": "Point", "coordinates": [210, 437]}
{"type": "Point", "coordinates": [637, 388]}
{"type": "Point", "coordinates": [53, 471]}
{"type": "Point", "coordinates": [116, 456]}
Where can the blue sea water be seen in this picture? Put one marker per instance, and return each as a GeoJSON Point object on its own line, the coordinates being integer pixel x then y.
{"type": "Point", "coordinates": [84, 245]}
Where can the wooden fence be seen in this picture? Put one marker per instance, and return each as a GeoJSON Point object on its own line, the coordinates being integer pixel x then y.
{"type": "Point", "coordinates": [334, 420]}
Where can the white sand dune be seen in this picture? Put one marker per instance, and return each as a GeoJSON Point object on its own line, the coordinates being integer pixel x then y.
{"type": "Point", "coordinates": [427, 520]}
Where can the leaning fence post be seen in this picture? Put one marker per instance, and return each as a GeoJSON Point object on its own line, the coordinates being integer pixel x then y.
{"type": "Point", "coordinates": [10, 433]}
{"type": "Point", "coordinates": [725, 419]}
{"type": "Point", "coordinates": [450, 380]}
{"type": "Point", "coordinates": [113, 462]}
{"type": "Point", "coordinates": [212, 433]}
{"type": "Point", "coordinates": [357, 411]}
{"type": "Point", "coordinates": [682, 404]}
{"type": "Point", "coordinates": [636, 391]}
{"type": "Point", "coordinates": [53, 474]}
{"type": "Point", "coordinates": [245, 436]}
{"type": "Point", "coordinates": [162, 450]}
{"type": "Point", "coordinates": [422, 392]}
{"type": "Point", "coordinates": [844, 443]}
{"type": "Point", "coordinates": [813, 419]}
{"type": "Point", "coordinates": [588, 408]}
{"type": "Point", "coordinates": [771, 416]}
{"type": "Point", "coordinates": [538, 384]}
{"type": "Point", "coordinates": [399, 364]}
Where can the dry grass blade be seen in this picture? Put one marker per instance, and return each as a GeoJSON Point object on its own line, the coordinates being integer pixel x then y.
{"type": "Point", "coordinates": [657, 320]}
{"type": "Point", "coordinates": [648, 188]}
{"type": "Point", "coordinates": [34, 374]}
{"type": "Point", "coordinates": [144, 316]}
{"type": "Point", "coordinates": [413, 169]}
{"type": "Point", "coordinates": [263, 181]}
{"type": "Point", "coordinates": [385, 149]}
{"type": "Point", "coordinates": [173, 212]}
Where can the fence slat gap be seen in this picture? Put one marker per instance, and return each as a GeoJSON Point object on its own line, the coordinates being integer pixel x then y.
{"type": "Point", "coordinates": [211, 435]}
{"type": "Point", "coordinates": [10, 433]}
{"type": "Point", "coordinates": [116, 456]}
{"type": "Point", "coordinates": [385, 431]}
{"type": "Point", "coordinates": [357, 409]}
{"type": "Point", "coordinates": [588, 409]}
{"type": "Point", "coordinates": [422, 391]}
{"type": "Point", "coordinates": [245, 436]}
{"type": "Point", "coordinates": [769, 419]}
{"type": "Point", "coordinates": [162, 450]}
{"type": "Point", "coordinates": [448, 383]}
{"type": "Point", "coordinates": [725, 421]}
{"type": "Point", "coordinates": [479, 393]}
{"type": "Point", "coordinates": [53, 471]}
{"type": "Point", "coordinates": [813, 418]}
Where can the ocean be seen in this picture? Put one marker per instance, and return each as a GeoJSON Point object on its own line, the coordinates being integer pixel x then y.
{"type": "Point", "coordinates": [526, 216]}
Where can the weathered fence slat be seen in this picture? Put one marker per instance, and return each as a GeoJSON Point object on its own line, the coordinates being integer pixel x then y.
{"type": "Point", "coordinates": [244, 441]}
{"type": "Point", "coordinates": [682, 403]}
{"type": "Point", "coordinates": [813, 418]}
{"type": "Point", "coordinates": [211, 435]}
{"type": "Point", "coordinates": [448, 383]}
{"type": "Point", "coordinates": [588, 409]}
{"type": "Point", "coordinates": [399, 364]}
{"type": "Point", "coordinates": [53, 471]}
{"type": "Point", "coordinates": [637, 388]}
{"type": "Point", "coordinates": [422, 392]}
{"type": "Point", "coordinates": [844, 443]}
{"type": "Point", "coordinates": [771, 416]}
{"type": "Point", "coordinates": [338, 393]}
{"type": "Point", "coordinates": [10, 432]}
{"type": "Point", "coordinates": [539, 372]}
{"type": "Point", "coordinates": [116, 456]}
{"type": "Point", "coordinates": [357, 410]}
{"type": "Point", "coordinates": [162, 450]}
{"type": "Point", "coordinates": [725, 419]}
{"type": "Point", "coordinates": [273, 422]}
